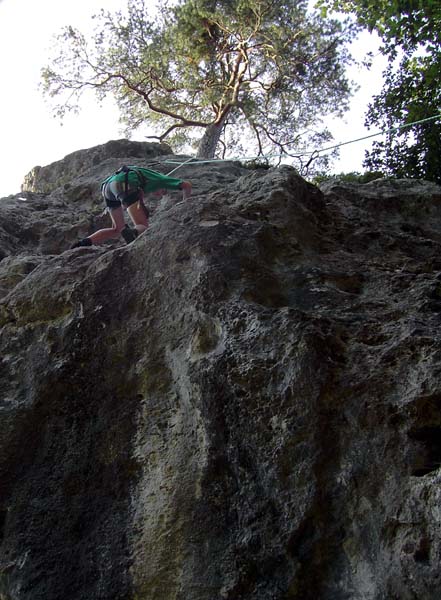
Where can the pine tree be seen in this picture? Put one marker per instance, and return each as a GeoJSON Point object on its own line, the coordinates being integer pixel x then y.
{"type": "Point", "coordinates": [229, 75]}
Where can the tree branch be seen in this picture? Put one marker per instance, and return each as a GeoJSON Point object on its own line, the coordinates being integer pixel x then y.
{"type": "Point", "coordinates": [155, 108]}
{"type": "Point", "coordinates": [167, 132]}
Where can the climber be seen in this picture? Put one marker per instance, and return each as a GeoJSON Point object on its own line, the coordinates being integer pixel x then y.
{"type": "Point", "coordinates": [126, 188]}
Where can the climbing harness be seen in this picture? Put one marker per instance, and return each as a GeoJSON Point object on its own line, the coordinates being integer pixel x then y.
{"type": "Point", "coordinates": [142, 179]}
{"type": "Point", "coordinates": [125, 169]}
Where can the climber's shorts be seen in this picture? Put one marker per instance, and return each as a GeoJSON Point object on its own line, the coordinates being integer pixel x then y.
{"type": "Point", "coordinates": [115, 194]}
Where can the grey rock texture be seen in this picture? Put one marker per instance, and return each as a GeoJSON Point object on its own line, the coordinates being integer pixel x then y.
{"type": "Point", "coordinates": [243, 404]}
{"type": "Point", "coordinates": [82, 166]}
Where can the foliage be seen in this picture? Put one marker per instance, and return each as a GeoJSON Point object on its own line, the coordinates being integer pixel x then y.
{"type": "Point", "coordinates": [352, 177]}
{"type": "Point", "coordinates": [251, 74]}
{"type": "Point", "coordinates": [411, 35]}
{"type": "Point", "coordinates": [256, 164]}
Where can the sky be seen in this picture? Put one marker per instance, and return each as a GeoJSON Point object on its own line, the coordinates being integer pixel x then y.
{"type": "Point", "coordinates": [30, 135]}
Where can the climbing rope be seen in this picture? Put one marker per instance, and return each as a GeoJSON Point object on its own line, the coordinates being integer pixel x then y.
{"type": "Point", "coordinates": [180, 165]}
{"type": "Point", "coordinates": [316, 152]}
{"type": "Point", "coordinates": [392, 129]}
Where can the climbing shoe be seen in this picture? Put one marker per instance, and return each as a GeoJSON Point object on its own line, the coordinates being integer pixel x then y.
{"type": "Point", "coordinates": [129, 234]}
{"type": "Point", "coordinates": [80, 243]}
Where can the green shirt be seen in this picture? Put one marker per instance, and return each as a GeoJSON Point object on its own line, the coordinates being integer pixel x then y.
{"type": "Point", "coordinates": [148, 180]}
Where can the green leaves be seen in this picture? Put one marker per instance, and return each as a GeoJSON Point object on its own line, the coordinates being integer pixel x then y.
{"type": "Point", "coordinates": [411, 35]}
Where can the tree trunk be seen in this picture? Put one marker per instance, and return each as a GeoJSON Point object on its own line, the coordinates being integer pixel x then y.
{"type": "Point", "coordinates": [208, 144]}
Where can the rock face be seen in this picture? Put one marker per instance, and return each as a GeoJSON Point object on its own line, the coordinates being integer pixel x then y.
{"type": "Point", "coordinates": [243, 404]}
{"type": "Point", "coordinates": [84, 165]}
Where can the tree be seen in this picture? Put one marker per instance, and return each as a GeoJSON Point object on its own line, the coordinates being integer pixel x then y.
{"type": "Point", "coordinates": [411, 36]}
{"type": "Point", "coordinates": [241, 71]}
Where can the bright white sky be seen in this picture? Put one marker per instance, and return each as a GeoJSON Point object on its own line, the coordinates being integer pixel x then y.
{"type": "Point", "coordinates": [30, 135]}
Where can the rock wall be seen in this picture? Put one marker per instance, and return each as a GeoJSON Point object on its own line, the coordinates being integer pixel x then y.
{"type": "Point", "coordinates": [243, 404]}
{"type": "Point", "coordinates": [82, 165]}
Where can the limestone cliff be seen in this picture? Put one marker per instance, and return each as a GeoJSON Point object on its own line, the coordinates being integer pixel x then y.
{"type": "Point", "coordinates": [243, 404]}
